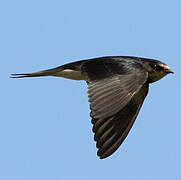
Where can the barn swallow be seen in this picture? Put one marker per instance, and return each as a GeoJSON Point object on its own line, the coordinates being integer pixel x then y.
{"type": "Point", "coordinates": [117, 87]}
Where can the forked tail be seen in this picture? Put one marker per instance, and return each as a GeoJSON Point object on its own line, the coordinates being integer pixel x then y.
{"type": "Point", "coordinates": [49, 72]}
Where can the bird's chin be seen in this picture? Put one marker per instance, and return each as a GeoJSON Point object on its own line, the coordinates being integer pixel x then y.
{"type": "Point", "coordinates": [154, 78]}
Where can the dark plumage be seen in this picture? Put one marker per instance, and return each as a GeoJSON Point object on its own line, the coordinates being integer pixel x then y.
{"type": "Point", "coordinates": [117, 87]}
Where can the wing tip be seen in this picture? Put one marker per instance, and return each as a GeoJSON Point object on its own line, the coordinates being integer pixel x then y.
{"type": "Point", "coordinates": [103, 155]}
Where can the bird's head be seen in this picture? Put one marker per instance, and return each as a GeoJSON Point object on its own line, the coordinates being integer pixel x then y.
{"type": "Point", "coordinates": [156, 69]}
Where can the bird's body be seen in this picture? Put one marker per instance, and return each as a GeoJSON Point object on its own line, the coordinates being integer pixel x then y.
{"type": "Point", "coordinates": [117, 87]}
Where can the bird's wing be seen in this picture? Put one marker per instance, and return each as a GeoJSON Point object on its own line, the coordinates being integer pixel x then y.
{"type": "Point", "coordinates": [115, 102]}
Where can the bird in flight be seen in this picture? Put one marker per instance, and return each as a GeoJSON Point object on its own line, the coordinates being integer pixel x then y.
{"type": "Point", "coordinates": [117, 87]}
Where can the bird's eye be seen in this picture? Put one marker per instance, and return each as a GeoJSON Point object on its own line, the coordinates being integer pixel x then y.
{"type": "Point", "coordinates": [157, 67]}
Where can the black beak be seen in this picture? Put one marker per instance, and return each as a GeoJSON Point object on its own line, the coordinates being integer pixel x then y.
{"type": "Point", "coordinates": [168, 71]}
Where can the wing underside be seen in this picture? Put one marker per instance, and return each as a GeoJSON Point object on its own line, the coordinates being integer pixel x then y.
{"type": "Point", "coordinates": [115, 100]}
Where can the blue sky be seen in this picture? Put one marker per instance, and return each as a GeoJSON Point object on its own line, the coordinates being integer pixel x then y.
{"type": "Point", "coordinates": [45, 128]}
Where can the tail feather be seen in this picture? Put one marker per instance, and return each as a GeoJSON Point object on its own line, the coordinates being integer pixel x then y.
{"type": "Point", "coordinates": [50, 72]}
{"type": "Point", "coordinates": [69, 71]}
